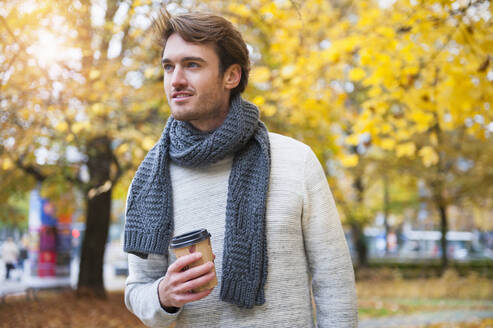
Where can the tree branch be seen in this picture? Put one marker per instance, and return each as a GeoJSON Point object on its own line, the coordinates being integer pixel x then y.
{"type": "Point", "coordinates": [30, 169]}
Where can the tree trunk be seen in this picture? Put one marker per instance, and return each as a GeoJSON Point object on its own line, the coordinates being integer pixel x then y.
{"type": "Point", "coordinates": [444, 228]}
{"type": "Point", "coordinates": [386, 211]}
{"type": "Point", "coordinates": [359, 244]}
{"type": "Point", "coordinates": [357, 228]}
{"type": "Point", "coordinates": [98, 213]}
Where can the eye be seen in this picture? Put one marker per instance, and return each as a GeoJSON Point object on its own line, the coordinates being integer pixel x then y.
{"type": "Point", "coordinates": [168, 67]}
{"type": "Point", "coordinates": [193, 65]}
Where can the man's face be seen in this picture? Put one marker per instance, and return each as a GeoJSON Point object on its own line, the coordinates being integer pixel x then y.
{"type": "Point", "coordinates": [195, 89]}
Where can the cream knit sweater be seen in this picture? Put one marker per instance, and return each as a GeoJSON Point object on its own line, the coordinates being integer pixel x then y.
{"type": "Point", "coordinates": [305, 244]}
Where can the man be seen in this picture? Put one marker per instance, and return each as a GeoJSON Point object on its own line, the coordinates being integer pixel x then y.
{"type": "Point", "coordinates": [10, 253]}
{"type": "Point", "coordinates": [263, 197]}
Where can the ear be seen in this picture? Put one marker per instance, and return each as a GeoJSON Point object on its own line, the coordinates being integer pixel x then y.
{"type": "Point", "coordinates": [232, 76]}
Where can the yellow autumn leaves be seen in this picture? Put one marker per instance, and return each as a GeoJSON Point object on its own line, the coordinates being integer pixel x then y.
{"type": "Point", "coordinates": [328, 73]}
{"type": "Point", "coordinates": [399, 73]}
{"type": "Point", "coordinates": [419, 71]}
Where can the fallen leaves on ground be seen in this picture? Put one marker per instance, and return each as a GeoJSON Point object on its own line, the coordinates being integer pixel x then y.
{"type": "Point", "coordinates": [64, 309]}
{"type": "Point", "coordinates": [376, 298]}
{"type": "Point", "coordinates": [486, 323]}
{"type": "Point", "coordinates": [387, 294]}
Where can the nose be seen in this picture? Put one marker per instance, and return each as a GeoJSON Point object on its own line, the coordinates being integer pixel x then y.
{"type": "Point", "coordinates": [178, 78]}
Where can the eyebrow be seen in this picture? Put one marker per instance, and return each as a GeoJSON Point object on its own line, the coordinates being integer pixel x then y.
{"type": "Point", "coordinates": [184, 59]}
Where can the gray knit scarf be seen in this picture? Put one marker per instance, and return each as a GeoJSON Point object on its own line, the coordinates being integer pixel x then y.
{"type": "Point", "coordinates": [149, 218]}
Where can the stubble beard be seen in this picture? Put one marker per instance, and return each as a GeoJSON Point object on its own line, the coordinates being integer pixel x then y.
{"type": "Point", "coordinates": [205, 106]}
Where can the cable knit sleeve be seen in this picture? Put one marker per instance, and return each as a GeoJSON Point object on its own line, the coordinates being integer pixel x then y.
{"type": "Point", "coordinates": [327, 252]}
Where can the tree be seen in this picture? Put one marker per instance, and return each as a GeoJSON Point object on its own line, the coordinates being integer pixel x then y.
{"type": "Point", "coordinates": [425, 69]}
{"type": "Point", "coordinates": [409, 77]}
{"type": "Point", "coordinates": [74, 109]}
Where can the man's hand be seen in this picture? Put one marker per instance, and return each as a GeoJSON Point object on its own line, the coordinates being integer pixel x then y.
{"type": "Point", "coordinates": [175, 290]}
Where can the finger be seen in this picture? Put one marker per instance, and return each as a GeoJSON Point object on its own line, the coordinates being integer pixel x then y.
{"type": "Point", "coordinates": [196, 283]}
{"type": "Point", "coordinates": [195, 272]}
{"type": "Point", "coordinates": [192, 297]}
{"type": "Point", "coordinates": [183, 261]}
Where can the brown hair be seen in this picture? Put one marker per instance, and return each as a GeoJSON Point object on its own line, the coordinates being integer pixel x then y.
{"type": "Point", "coordinates": [202, 27]}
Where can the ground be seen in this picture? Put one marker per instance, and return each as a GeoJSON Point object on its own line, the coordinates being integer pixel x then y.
{"type": "Point", "coordinates": [63, 309]}
{"type": "Point", "coordinates": [384, 300]}
{"type": "Point", "coordinates": [387, 300]}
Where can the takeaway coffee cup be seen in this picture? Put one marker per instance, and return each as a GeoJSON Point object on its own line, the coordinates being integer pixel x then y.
{"type": "Point", "coordinates": [191, 242]}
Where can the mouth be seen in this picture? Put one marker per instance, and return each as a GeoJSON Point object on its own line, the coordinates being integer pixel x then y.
{"type": "Point", "coordinates": [181, 95]}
